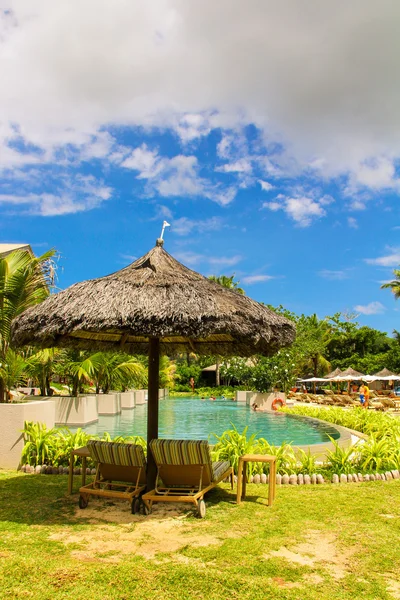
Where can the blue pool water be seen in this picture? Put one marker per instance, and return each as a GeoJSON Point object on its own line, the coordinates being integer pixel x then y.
{"type": "Point", "coordinates": [193, 418]}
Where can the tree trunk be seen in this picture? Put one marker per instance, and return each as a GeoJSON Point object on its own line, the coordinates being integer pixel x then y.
{"type": "Point", "coordinates": [217, 374]}
{"type": "Point", "coordinates": [49, 391]}
{"type": "Point", "coordinates": [2, 391]}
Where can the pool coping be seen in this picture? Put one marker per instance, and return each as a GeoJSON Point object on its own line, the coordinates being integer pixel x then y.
{"type": "Point", "coordinates": [348, 437]}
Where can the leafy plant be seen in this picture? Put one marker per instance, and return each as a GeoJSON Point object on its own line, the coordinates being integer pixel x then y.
{"type": "Point", "coordinates": [232, 445]}
{"type": "Point", "coordinates": [340, 460]}
{"type": "Point", "coordinates": [378, 454]}
{"type": "Point", "coordinates": [39, 447]}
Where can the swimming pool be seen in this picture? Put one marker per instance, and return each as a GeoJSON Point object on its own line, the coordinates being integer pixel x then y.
{"type": "Point", "coordinates": [193, 418]}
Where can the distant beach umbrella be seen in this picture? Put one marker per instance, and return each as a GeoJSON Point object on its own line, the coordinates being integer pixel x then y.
{"type": "Point", "coordinates": [154, 306]}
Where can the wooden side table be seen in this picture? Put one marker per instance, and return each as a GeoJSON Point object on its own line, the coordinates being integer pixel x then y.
{"type": "Point", "coordinates": [241, 478]}
{"type": "Point", "coordinates": [84, 453]}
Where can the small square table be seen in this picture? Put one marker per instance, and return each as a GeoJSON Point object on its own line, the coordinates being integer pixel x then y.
{"type": "Point", "coordinates": [241, 478]}
{"type": "Point", "coordinates": [84, 453]}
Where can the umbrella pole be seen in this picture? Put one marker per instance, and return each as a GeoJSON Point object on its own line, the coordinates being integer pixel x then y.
{"type": "Point", "coordinates": [152, 408]}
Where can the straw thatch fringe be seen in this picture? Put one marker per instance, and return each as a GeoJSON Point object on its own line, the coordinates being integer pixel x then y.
{"type": "Point", "coordinates": [159, 297]}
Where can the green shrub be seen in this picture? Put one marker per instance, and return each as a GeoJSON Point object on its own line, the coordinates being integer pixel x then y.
{"type": "Point", "coordinates": [54, 446]}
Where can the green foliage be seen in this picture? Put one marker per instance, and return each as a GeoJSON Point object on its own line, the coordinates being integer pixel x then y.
{"type": "Point", "coordinates": [232, 445]}
{"type": "Point", "coordinates": [184, 372]}
{"type": "Point", "coordinates": [394, 285]}
{"type": "Point", "coordinates": [379, 425]}
{"type": "Point", "coordinates": [53, 446]}
{"type": "Point", "coordinates": [39, 444]}
{"type": "Point", "coordinates": [341, 460]}
{"type": "Point", "coordinates": [24, 282]}
{"type": "Point", "coordinates": [106, 370]}
{"type": "Point", "coordinates": [286, 461]}
{"type": "Point", "coordinates": [227, 282]}
{"type": "Point", "coordinates": [379, 454]}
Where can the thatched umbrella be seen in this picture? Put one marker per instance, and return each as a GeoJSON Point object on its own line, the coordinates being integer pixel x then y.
{"type": "Point", "coordinates": [385, 373]}
{"type": "Point", "coordinates": [351, 374]}
{"type": "Point", "coordinates": [334, 373]}
{"type": "Point", "coordinates": [156, 306]}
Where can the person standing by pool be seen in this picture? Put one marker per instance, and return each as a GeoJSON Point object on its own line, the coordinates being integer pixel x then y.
{"type": "Point", "coordinates": [366, 395]}
{"type": "Point", "coordinates": [361, 391]}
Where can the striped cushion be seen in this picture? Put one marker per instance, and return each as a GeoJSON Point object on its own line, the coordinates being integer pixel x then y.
{"type": "Point", "coordinates": [116, 453]}
{"type": "Point", "coordinates": [187, 452]}
{"type": "Point", "coordinates": [219, 468]}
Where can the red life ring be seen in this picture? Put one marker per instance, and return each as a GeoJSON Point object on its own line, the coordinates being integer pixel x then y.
{"type": "Point", "coordinates": [276, 402]}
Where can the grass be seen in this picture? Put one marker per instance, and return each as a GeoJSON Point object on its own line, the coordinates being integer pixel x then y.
{"type": "Point", "coordinates": [48, 548]}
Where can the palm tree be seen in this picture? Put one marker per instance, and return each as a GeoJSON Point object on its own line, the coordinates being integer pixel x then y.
{"type": "Point", "coordinates": [107, 370]}
{"type": "Point", "coordinates": [41, 367]}
{"type": "Point", "coordinates": [24, 281]}
{"type": "Point", "coordinates": [227, 282]}
{"type": "Point", "coordinates": [394, 285]}
{"type": "Point", "coordinates": [230, 283]}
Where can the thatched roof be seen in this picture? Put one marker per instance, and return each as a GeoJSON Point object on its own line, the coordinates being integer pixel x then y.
{"type": "Point", "coordinates": [351, 372]}
{"type": "Point", "coordinates": [334, 373]}
{"type": "Point", "coordinates": [385, 373]}
{"type": "Point", "coordinates": [159, 297]}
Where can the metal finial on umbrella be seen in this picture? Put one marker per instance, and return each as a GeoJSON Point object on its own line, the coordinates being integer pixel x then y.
{"type": "Point", "coordinates": [164, 225]}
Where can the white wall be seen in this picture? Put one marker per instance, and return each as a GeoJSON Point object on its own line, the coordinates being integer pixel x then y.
{"type": "Point", "coordinates": [12, 417]}
{"type": "Point", "coordinates": [77, 412]}
{"type": "Point", "coordinates": [108, 404]}
{"type": "Point", "coordinates": [128, 399]}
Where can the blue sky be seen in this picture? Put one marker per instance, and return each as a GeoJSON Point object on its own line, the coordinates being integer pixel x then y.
{"type": "Point", "coordinates": [268, 139]}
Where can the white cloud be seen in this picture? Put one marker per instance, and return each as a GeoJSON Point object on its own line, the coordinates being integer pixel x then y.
{"type": "Point", "coordinates": [194, 258]}
{"type": "Point", "coordinates": [242, 165]}
{"type": "Point", "coordinates": [192, 126]}
{"type": "Point", "coordinates": [250, 279]}
{"type": "Point", "coordinates": [357, 204]}
{"type": "Point", "coordinates": [265, 185]}
{"type": "Point", "coordinates": [335, 275]}
{"type": "Point", "coordinates": [377, 174]}
{"type": "Point", "coordinates": [373, 308]}
{"type": "Point", "coordinates": [147, 162]}
{"type": "Point", "coordinates": [177, 176]}
{"type": "Point", "coordinates": [303, 210]}
{"type": "Point", "coordinates": [190, 258]}
{"type": "Point", "coordinates": [184, 226]}
{"type": "Point", "coordinates": [226, 261]}
{"type": "Point", "coordinates": [389, 260]}
{"type": "Point", "coordinates": [352, 222]}
{"type": "Point", "coordinates": [81, 194]}
{"type": "Point", "coordinates": [181, 65]}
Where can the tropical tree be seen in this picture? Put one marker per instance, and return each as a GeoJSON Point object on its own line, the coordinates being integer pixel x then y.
{"type": "Point", "coordinates": [394, 285]}
{"type": "Point", "coordinates": [24, 281]}
{"type": "Point", "coordinates": [227, 282]}
{"type": "Point", "coordinates": [167, 372]}
{"type": "Point", "coordinates": [41, 367]}
{"type": "Point", "coordinates": [13, 370]}
{"type": "Point", "coordinates": [230, 283]}
{"type": "Point", "coordinates": [107, 371]}
{"type": "Point", "coordinates": [312, 338]}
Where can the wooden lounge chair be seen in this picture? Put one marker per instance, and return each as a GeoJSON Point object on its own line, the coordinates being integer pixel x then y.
{"type": "Point", "coordinates": [186, 471]}
{"type": "Point", "coordinates": [120, 473]}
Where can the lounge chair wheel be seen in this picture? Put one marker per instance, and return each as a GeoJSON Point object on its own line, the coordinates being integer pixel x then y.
{"type": "Point", "coordinates": [201, 509]}
{"type": "Point", "coordinates": [135, 508]}
{"type": "Point", "coordinates": [83, 502]}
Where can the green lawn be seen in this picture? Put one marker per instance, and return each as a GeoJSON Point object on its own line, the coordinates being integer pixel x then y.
{"type": "Point", "coordinates": [316, 542]}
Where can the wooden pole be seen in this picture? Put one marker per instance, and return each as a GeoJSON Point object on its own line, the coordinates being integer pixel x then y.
{"type": "Point", "coordinates": [152, 408]}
